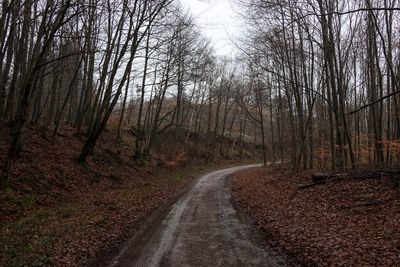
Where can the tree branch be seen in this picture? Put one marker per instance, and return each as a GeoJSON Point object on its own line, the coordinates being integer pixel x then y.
{"type": "Point", "coordinates": [374, 102]}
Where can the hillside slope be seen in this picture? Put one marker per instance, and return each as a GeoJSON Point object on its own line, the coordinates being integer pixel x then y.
{"type": "Point", "coordinates": [59, 212]}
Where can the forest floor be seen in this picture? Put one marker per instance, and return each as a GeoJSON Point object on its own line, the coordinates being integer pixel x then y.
{"type": "Point", "coordinates": [61, 213]}
{"type": "Point", "coordinates": [346, 222]}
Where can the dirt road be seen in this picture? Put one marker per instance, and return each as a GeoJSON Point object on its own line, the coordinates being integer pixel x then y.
{"type": "Point", "coordinates": [201, 229]}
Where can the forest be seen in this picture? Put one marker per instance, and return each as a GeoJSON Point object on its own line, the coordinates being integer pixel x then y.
{"type": "Point", "coordinates": [314, 84]}
{"type": "Point", "coordinates": [317, 79]}
{"type": "Point", "coordinates": [330, 70]}
{"type": "Point", "coordinates": [141, 66]}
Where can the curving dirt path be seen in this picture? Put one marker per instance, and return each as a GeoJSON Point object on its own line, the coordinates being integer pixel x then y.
{"type": "Point", "coordinates": [203, 228]}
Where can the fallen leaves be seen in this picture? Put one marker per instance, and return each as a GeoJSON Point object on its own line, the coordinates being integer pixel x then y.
{"type": "Point", "coordinates": [76, 233]}
{"type": "Point", "coordinates": [61, 213]}
{"type": "Point", "coordinates": [312, 224]}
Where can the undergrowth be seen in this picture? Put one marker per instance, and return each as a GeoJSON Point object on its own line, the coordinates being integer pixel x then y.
{"type": "Point", "coordinates": [45, 234]}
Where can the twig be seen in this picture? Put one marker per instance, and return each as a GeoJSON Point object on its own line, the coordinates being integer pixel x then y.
{"type": "Point", "coordinates": [367, 204]}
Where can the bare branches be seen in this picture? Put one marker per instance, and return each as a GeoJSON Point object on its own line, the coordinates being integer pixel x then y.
{"type": "Point", "coordinates": [374, 102]}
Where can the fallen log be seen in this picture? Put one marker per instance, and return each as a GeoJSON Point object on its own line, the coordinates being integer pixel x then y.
{"type": "Point", "coordinates": [322, 178]}
{"type": "Point", "coordinates": [354, 175]}
{"type": "Point", "coordinates": [311, 185]}
{"type": "Point", "coordinates": [317, 177]}
{"type": "Point", "coordinates": [368, 204]}
{"type": "Point", "coordinates": [360, 205]}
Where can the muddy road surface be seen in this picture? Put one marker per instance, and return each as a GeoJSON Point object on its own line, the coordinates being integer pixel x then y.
{"type": "Point", "coordinates": [203, 228]}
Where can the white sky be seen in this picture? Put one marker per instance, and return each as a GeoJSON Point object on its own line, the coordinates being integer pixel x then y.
{"type": "Point", "coordinates": [217, 19]}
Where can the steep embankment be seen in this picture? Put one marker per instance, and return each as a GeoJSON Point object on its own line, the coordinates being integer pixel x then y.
{"type": "Point", "coordinates": [347, 222]}
{"type": "Point", "coordinates": [59, 212]}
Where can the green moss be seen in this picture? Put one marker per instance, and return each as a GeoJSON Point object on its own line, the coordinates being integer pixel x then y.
{"type": "Point", "coordinates": [20, 202]}
{"type": "Point", "coordinates": [143, 161]}
{"type": "Point", "coordinates": [4, 180]}
{"type": "Point", "coordinates": [123, 144]}
{"type": "Point", "coordinates": [28, 241]}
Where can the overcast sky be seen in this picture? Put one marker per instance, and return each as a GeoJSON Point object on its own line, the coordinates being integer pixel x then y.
{"type": "Point", "coordinates": [218, 21]}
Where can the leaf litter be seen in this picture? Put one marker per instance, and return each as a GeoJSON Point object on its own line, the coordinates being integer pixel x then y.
{"type": "Point", "coordinates": [347, 222]}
